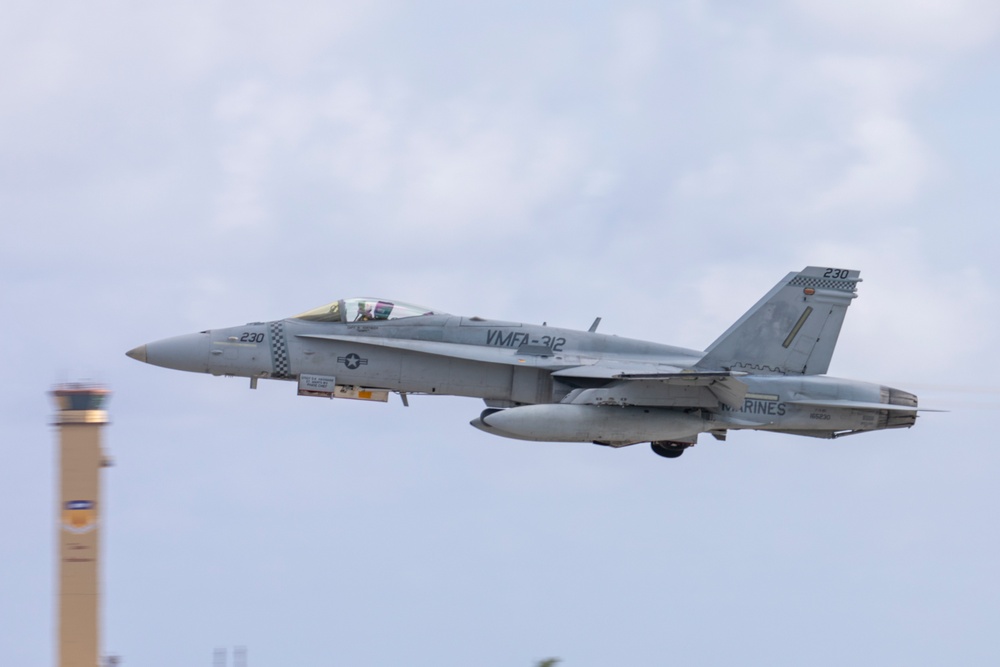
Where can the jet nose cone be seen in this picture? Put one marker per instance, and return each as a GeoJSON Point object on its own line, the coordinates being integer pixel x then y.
{"type": "Point", "coordinates": [183, 353]}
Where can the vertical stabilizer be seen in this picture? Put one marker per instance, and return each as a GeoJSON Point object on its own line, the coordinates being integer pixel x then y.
{"type": "Point", "coordinates": [792, 330]}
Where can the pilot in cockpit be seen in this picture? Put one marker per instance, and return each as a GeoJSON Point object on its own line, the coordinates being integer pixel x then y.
{"type": "Point", "coordinates": [364, 312]}
{"type": "Point", "coordinates": [373, 310]}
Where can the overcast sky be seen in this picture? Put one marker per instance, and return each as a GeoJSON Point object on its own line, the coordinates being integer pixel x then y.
{"type": "Point", "coordinates": [167, 168]}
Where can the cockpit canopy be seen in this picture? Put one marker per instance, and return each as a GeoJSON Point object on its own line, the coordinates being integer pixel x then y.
{"type": "Point", "coordinates": [363, 309]}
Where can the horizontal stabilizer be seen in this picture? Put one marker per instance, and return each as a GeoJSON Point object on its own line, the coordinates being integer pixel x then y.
{"type": "Point", "coordinates": [861, 405]}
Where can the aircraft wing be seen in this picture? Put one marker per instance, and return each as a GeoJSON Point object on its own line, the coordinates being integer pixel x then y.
{"type": "Point", "coordinates": [610, 368]}
{"type": "Point", "coordinates": [723, 385]}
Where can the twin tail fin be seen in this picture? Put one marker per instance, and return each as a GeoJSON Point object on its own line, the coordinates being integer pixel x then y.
{"type": "Point", "coordinates": [792, 330]}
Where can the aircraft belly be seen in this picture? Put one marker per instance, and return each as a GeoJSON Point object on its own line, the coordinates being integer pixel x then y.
{"type": "Point", "coordinates": [429, 374]}
{"type": "Point", "coordinates": [530, 385]}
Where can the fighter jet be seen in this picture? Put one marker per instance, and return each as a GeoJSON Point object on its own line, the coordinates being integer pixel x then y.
{"type": "Point", "coordinates": [765, 373]}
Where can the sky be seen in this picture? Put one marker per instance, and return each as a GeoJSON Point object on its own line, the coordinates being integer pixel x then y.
{"type": "Point", "coordinates": [167, 168]}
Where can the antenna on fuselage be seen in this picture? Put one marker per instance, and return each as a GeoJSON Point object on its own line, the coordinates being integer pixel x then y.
{"type": "Point", "coordinates": [593, 327]}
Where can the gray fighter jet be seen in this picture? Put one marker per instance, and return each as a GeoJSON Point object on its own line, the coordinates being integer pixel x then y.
{"type": "Point", "coordinates": [766, 372]}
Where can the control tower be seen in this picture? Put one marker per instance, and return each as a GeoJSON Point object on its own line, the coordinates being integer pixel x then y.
{"type": "Point", "coordinates": [80, 418]}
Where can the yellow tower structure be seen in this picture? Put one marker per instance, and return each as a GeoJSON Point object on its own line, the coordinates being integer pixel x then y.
{"type": "Point", "coordinates": [80, 418]}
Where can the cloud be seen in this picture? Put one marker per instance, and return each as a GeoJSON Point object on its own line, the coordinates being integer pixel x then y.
{"type": "Point", "coordinates": [889, 166]}
{"type": "Point", "coordinates": [636, 51]}
{"type": "Point", "coordinates": [484, 166]}
{"type": "Point", "coordinates": [840, 138]}
{"type": "Point", "coordinates": [465, 165]}
{"type": "Point", "coordinates": [864, 83]}
{"type": "Point", "coordinates": [954, 25]}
